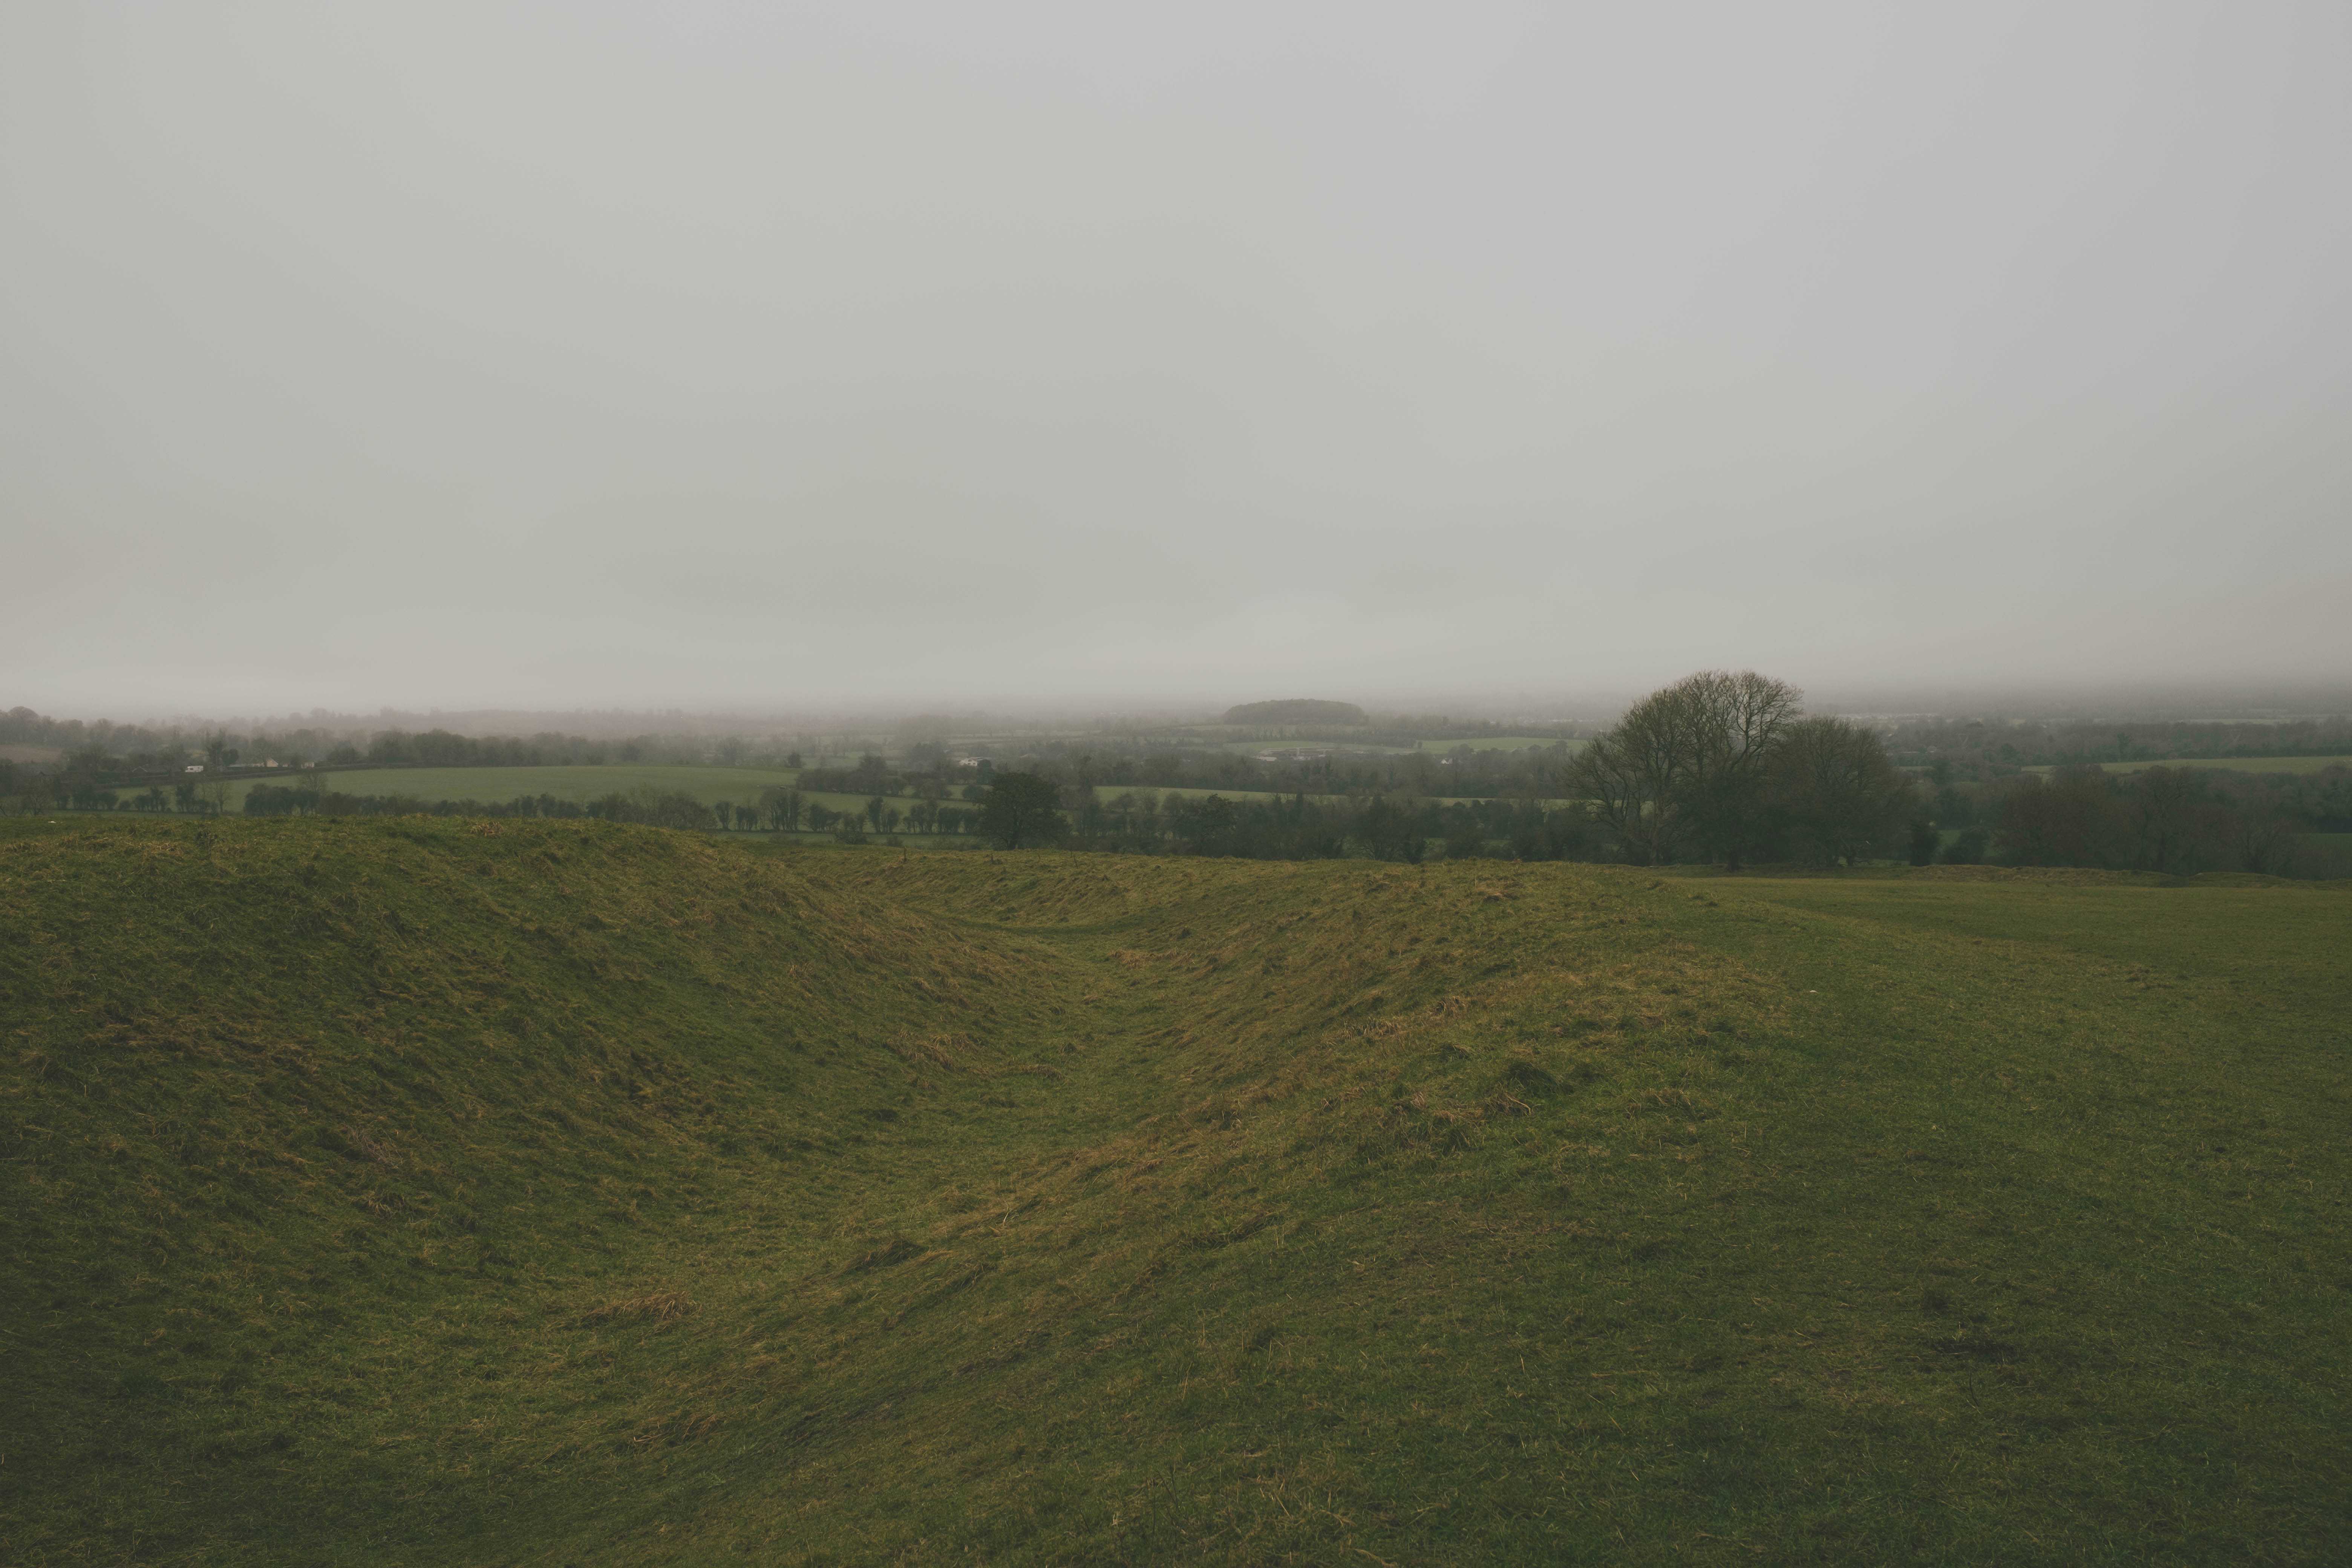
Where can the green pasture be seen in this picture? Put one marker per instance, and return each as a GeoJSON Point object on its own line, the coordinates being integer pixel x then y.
{"type": "Point", "coordinates": [440, 1191]}
{"type": "Point", "coordinates": [577, 783]}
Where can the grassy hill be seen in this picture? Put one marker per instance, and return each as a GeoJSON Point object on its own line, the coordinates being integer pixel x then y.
{"type": "Point", "coordinates": [429, 1192]}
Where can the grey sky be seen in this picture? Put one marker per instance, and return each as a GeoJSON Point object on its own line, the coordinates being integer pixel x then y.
{"type": "Point", "coordinates": [767, 356]}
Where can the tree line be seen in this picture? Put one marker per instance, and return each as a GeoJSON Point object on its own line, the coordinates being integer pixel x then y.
{"type": "Point", "coordinates": [1985, 750]}
{"type": "Point", "coordinates": [1725, 768]}
{"type": "Point", "coordinates": [777, 810]}
{"type": "Point", "coordinates": [109, 754]}
{"type": "Point", "coordinates": [2173, 820]}
{"type": "Point", "coordinates": [1718, 767]}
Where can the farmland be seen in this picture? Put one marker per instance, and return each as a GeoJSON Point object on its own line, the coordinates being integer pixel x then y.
{"type": "Point", "coordinates": [578, 785]}
{"type": "Point", "coordinates": [1500, 743]}
{"type": "Point", "coordinates": [455, 1192]}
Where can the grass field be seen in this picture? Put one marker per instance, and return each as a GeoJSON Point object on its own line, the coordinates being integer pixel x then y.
{"type": "Point", "coordinates": [1499, 743]}
{"type": "Point", "coordinates": [2242, 765]}
{"type": "Point", "coordinates": [578, 785]}
{"type": "Point", "coordinates": [434, 1192]}
{"type": "Point", "coordinates": [739, 786]}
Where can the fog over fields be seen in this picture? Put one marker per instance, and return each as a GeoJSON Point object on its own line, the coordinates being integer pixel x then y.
{"type": "Point", "coordinates": [768, 358]}
{"type": "Point", "coordinates": [1036, 783]}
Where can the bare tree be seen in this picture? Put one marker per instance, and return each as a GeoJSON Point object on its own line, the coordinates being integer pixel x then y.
{"type": "Point", "coordinates": [1836, 789]}
{"type": "Point", "coordinates": [2265, 837]}
{"type": "Point", "coordinates": [1628, 774]}
{"type": "Point", "coordinates": [2172, 816]}
{"type": "Point", "coordinates": [1684, 766]}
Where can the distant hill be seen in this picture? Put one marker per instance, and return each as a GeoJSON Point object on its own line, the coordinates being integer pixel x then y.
{"type": "Point", "coordinates": [1296, 710]}
{"type": "Point", "coordinates": [496, 1192]}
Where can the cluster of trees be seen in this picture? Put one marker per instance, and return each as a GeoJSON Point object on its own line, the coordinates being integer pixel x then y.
{"type": "Point", "coordinates": [1718, 766]}
{"type": "Point", "coordinates": [442, 749]}
{"type": "Point", "coordinates": [872, 775]}
{"type": "Point", "coordinates": [2175, 820]}
{"type": "Point", "coordinates": [1976, 749]}
{"type": "Point", "coordinates": [30, 789]}
{"type": "Point", "coordinates": [784, 810]}
{"type": "Point", "coordinates": [1728, 767]}
{"type": "Point", "coordinates": [655, 807]}
{"type": "Point", "coordinates": [1539, 772]}
{"type": "Point", "coordinates": [112, 754]}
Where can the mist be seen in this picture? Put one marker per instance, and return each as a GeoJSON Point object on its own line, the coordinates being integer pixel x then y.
{"type": "Point", "coordinates": [798, 357]}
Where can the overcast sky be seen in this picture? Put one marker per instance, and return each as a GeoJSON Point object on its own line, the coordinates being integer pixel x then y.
{"type": "Point", "coordinates": [776, 355]}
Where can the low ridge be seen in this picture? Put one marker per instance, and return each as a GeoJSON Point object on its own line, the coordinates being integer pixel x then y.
{"type": "Point", "coordinates": [422, 1191]}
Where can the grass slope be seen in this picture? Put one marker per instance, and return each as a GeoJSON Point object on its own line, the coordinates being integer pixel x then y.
{"type": "Point", "coordinates": [433, 1192]}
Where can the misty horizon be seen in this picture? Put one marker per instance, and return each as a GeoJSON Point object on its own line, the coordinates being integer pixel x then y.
{"type": "Point", "coordinates": [825, 361]}
{"type": "Point", "coordinates": [2138, 704]}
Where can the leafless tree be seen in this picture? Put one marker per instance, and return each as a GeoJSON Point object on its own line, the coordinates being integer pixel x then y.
{"type": "Point", "coordinates": [1685, 765]}
{"type": "Point", "coordinates": [1837, 791]}
{"type": "Point", "coordinates": [2172, 816]}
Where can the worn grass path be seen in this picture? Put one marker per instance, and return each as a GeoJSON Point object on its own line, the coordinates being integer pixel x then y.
{"type": "Point", "coordinates": [400, 1193]}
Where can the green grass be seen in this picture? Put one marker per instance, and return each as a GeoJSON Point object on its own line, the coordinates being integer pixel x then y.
{"type": "Point", "coordinates": [2240, 764]}
{"type": "Point", "coordinates": [433, 1192]}
{"type": "Point", "coordinates": [578, 785]}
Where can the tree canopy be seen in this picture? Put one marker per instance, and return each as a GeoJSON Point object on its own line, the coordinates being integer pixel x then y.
{"type": "Point", "coordinates": [1022, 809]}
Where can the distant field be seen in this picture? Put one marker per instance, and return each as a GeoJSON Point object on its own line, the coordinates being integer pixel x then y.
{"type": "Point", "coordinates": [1497, 743]}
{"type": "Point", "coordinates": [736, 786]}
{"type": "Point", "coordinates": [578, 785]}
{"type": "Point", "coordinates": [2237, 765]}
{"type": "Point", "coordinates": [1354, 748]}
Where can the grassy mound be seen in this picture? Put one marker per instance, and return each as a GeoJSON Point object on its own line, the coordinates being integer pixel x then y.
{"type": "Point", "coordinates": [435, 1192]}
